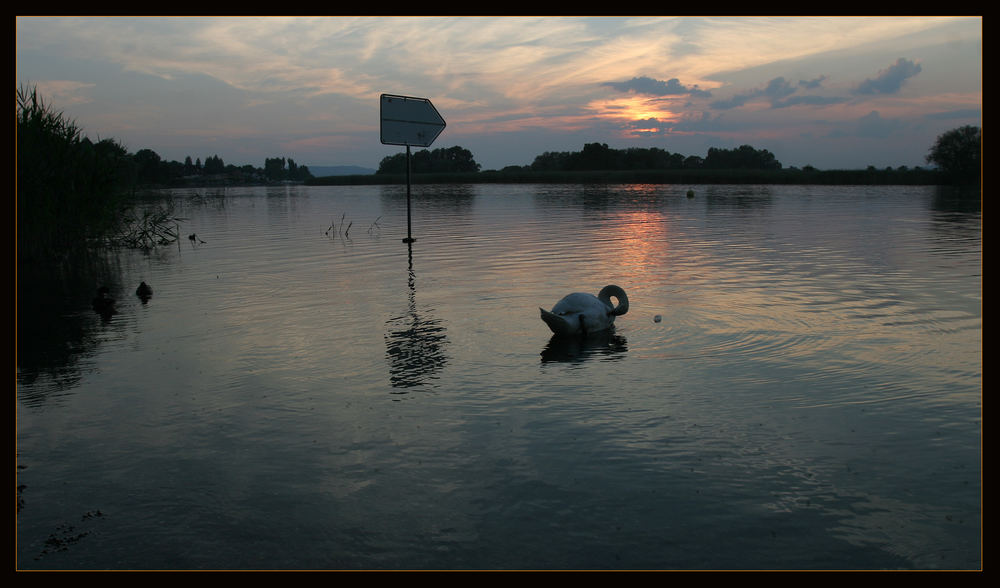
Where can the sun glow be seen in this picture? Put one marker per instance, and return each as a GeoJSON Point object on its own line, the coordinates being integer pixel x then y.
{"type": "Point", "coordinates": [634, 109]}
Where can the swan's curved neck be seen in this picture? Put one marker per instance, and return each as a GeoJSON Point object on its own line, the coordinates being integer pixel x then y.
{"type": "Point", "coordinates": [611, 291]}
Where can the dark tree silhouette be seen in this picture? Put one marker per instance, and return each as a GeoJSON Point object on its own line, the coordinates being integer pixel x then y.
{"type": "Point", "coordinates": [274, 168]}
{"type": "Point", "coordinates": [743, 157]}
{"type": "Point", "coordinates": [958, 154]}
{"type": "Point", "coordinates": [598, 156]}
{"type": "Point", "coordinates": [445, 160]}
{"type": "Point", "coordinates": [148, 167]}
{"type": "Point", "coordinates": [214, 165]}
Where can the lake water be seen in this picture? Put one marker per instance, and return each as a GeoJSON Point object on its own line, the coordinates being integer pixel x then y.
{"type": "Point", "coordinates": [797, 384]}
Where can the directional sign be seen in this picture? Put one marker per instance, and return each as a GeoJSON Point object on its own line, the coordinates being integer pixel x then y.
{"type": "Point", "coordinates": [409, 121]}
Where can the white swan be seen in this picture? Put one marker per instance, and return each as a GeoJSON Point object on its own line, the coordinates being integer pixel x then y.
{"type": "Point", "coordinates": [582, 314]}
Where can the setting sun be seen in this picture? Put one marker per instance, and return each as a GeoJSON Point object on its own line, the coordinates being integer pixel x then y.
{"type": "Point", "coordinates": [634, 109]}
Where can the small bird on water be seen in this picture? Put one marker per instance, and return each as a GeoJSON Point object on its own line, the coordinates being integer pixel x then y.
{"type": "Point", "coordinates": [144, 292]}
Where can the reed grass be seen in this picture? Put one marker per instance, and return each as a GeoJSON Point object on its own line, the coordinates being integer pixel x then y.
{"type": "Point", "coordinates": [71, 191]}
{"type": "Point", "coordinates": [146, 229]}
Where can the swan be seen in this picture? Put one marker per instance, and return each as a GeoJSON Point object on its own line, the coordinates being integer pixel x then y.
{"type": "Point", "coordinates": [582, 314]}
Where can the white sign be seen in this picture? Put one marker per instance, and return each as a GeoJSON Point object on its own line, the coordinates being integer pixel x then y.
{"type": "Point", "coordinates": [409, 121]}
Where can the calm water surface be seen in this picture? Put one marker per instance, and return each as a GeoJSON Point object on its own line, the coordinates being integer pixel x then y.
{"type": "Point", "coordinates": [301, 395]}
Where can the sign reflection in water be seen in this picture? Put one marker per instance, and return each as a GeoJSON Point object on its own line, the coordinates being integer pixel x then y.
{"type": "Point", "coordinates": [415, 341]}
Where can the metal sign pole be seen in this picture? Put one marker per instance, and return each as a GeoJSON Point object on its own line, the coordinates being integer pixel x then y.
{"type": "Point", "coordinates": [409, 230]}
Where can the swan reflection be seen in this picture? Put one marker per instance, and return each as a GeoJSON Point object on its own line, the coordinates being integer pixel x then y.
{"type": "Point", "coordinates": [606, 345]}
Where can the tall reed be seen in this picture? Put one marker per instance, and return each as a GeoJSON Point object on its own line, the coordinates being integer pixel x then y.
{"type": "Point", "coordinates": [71, 191]}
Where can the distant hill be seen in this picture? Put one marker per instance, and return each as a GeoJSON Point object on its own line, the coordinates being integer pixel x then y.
{"type": "Point", "coordinates": [339, 170]}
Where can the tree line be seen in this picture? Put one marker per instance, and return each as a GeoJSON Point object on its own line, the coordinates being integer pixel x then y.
{"type": "Point", "coordinates": [956, 154]}
{"type": "Point", "coordinates": [151, 169]}
{"type": "Point", "coordinates": [598, 156]}
{"type": "Point", "coordinates": [593, 157]}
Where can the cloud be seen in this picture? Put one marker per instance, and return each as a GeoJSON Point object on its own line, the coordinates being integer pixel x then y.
{"type": "Point", "coordinates": [955, 114]}
{"type": "Point", "coordinates": [779, 91]}
{"type": "Point", "coordinates": [778, 88]}
{"type": "Point", "coordinates": [781, 94]}
{"type": "Point", "coordinates": [653, 87]}
{"type": "Point", "coordinates": [734, 102]}
{"type": "Point", "coordinates": [891, 79]}
{"type": "Point", "coordinates": [812, 84]}
{"type": "Point", "coordinates": [64, 92]}
{"type": "Point", "coordinates": [809, 101]}
{"type": "Point", "coordinates": [702, 122]}
{"type": "Point", "coordinates": [775, 90]}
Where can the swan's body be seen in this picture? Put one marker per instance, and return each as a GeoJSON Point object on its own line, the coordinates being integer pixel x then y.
{"type": "Point", "coordinates": [583, 314]}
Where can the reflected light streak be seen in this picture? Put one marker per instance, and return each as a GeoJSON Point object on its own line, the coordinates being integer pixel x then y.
{"type": "Point", "coordinates": [641, 244]}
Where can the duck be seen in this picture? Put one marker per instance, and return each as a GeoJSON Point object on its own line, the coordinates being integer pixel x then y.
{"type": "Point", "coordinates": [580, 313]}
{"type": "Point", "coordinates": [144, 292]}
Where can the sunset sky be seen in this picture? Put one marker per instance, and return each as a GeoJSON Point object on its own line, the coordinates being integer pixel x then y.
{"type": "Point", "coordinates": [832, 92]}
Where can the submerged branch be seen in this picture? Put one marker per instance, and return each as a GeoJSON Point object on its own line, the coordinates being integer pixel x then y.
{"type": "Point", "coordinates": [146, 229]}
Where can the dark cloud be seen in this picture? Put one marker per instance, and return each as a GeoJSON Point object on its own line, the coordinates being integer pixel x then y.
{"type": "Point", "coordinates": [645, 123]}
{"type": "Point", "coordinates": [808, 101]}
{"type": "Point", "coordinates": [778, 88]}
{"type": "Point", "coordinates": [891, 79]}
{"type": "Point", "coordinates": [736, 101]}
{"type": "Point", "coordinates": [650, 127]}
{"type": "Point", "coordinates": [780, 92]}
{"type": "Point", "coordinates": [812, 84]}
{"type": "Point", "coordinates": [653, 87]}
{"type": "Point", "coordinates": [703, 123]}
